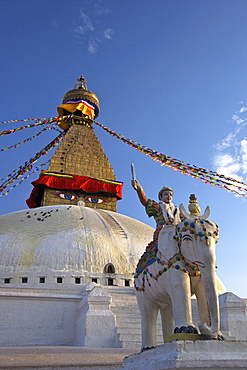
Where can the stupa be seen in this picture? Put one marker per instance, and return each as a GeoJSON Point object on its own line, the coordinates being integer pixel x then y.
{"type": "Point", "coordinates": [70, 238]}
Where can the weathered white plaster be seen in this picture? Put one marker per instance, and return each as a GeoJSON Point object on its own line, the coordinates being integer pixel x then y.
{"type": "Point", "coordinates": [191, 355]}
{"type": "Point", "coordinates": [233, 315]}
{"type": "Point", "coordinates": [47, 255]}
{"type": "Point", "coordinates": [96, 323]}
{"type": "Point", "coordinates": [62, 316]}
{"type": "Point", "coordinates": [38, 318]}
{"type": "Point", "coordinates": [64, 239]}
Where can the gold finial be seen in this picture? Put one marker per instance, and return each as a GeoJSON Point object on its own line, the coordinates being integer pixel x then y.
{"type": "Point", "coordinates": [194, 207]}
{"type": "Point", "coordinates": [81, 83]}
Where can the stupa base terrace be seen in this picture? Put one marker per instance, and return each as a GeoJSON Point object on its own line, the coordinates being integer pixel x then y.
{"type": "Point", "coordinates": [92, 316]}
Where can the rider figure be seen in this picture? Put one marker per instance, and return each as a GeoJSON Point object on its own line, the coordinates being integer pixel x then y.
{"type": "Point", "coordinates": [164, 212]}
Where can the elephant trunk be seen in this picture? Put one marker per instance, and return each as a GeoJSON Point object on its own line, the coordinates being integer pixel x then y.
{"type": "Point", "coordinates": [212, 327]}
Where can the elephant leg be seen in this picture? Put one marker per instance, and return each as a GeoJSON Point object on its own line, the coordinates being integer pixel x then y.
{"type": "Point", "coordinates": [204, 314]}
{"type": "Point", "coordinates": [167, 320]}
{"type": "Point", "coordinates": [180, 294]}
{"type": "Point", "coordinates": [149, 311]}
{"type": "Point", "coordinates": [202, 303]}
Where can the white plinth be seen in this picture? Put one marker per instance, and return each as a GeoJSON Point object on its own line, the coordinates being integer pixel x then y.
{"type": "Point", "coordinates": [191, 355]}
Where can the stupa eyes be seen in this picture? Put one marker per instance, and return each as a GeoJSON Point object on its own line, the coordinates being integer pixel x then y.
{"type": "Point", "coordinates": [87, 198]}
{"type": "Point", "coordinates": [95, 200]}
{"type": "Point", "coordinates": [67, 196]}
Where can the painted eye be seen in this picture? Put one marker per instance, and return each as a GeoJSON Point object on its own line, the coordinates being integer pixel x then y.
{"type": "Point", "coordinates": [95, 200]}
{"type": "Point", "coordinates": [66, 196]}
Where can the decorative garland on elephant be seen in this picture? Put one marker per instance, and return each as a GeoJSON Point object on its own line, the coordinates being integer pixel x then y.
{"type": "Point", "coordinates": [190, 226]}
{"type": "Point", "coordinates": [178, 261]}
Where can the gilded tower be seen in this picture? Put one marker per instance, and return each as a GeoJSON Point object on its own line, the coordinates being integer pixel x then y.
{"type": "Point", "coordinates": [79, 169]}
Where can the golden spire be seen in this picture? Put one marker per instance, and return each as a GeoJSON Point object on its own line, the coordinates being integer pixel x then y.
{"type": "Point", "coordinates": [80, 153]}
{"type": "Point", "coordinates": [80, 91]}
{"type": "Point", "coordinates": [81, 83]}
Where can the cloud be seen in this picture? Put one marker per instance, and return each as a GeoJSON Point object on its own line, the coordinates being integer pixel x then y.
{"type": "Point", "coordinates": [108, 33]}
{"type": "Point", "coordinates": [92, 46]}
{"type": "Point", "coordinates": [243, 109]}
{"type": "Point", "coordinates": [90, 29]}
{"type": "Point", "coordinates": [226, 142]}
{"type": "Point", "coordinates": [227, 165]}
{"type": "Point", "coordinates": [237, 119]}
{"type": "Point", "coordinates": [230, 157]}
{"type": "Point", "coordinates": [79, 30]}
{"type": "Point", "coordinates": [100, 10]}
{"type": "Point", "coordinates": [243, 152]}
{"type": "Point", "coordinates": [87, 24]}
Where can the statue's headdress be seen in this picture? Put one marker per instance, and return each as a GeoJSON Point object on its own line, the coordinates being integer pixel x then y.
{"type": "Point", "coordinates": [164, 189]}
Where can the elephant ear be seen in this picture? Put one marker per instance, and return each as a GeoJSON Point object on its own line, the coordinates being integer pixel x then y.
{"type": "Point", "coordinates": [167, 242]}
{"type": "Point", "coordinates": [183, 212]}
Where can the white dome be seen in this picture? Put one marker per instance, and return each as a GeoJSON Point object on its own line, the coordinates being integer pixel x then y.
{"type": "Point", "coordinates": [70, 239]}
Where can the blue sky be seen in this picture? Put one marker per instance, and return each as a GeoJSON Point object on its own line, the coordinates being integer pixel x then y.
{"type": "Point", "coordinates": [170, 74]}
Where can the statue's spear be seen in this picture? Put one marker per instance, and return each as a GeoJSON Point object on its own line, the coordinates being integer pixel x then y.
{"type": "Point", "coordinates": [133, 173]}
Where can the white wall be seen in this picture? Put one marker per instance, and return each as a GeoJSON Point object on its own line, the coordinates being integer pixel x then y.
{"type": "Point", "coordinates": [38, 319]}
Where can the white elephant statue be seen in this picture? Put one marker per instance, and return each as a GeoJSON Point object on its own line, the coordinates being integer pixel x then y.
{"type": "Point", "coordinates": [166, 278]}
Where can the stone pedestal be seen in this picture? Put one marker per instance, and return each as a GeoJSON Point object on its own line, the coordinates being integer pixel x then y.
{"type": "Point", "coordinates": [191, 355]}
{"type": "Point", "coordinates": [96, 323]}
{"type": "Point", "coordinates": [233, 317]}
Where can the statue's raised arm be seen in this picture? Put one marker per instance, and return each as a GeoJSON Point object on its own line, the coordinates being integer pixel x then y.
{"type": "Point", "coordinates": [164, 211]}
{"type": "Point", "coordinates": [140, 192]}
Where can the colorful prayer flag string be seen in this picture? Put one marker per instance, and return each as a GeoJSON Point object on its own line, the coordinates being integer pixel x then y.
{"type": "Point", "coordinates": [30, 138]}
{"type": "Point", "coordinates": [28, 165]}
{"type": "Point", "coordinates": [206, 176]}
{"type": "Point", "coordinates": [57, 119]}
{"type": "Point", "coordinates": [36, 169]}
{"type": "Point", "coordinates": [28, 119]}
